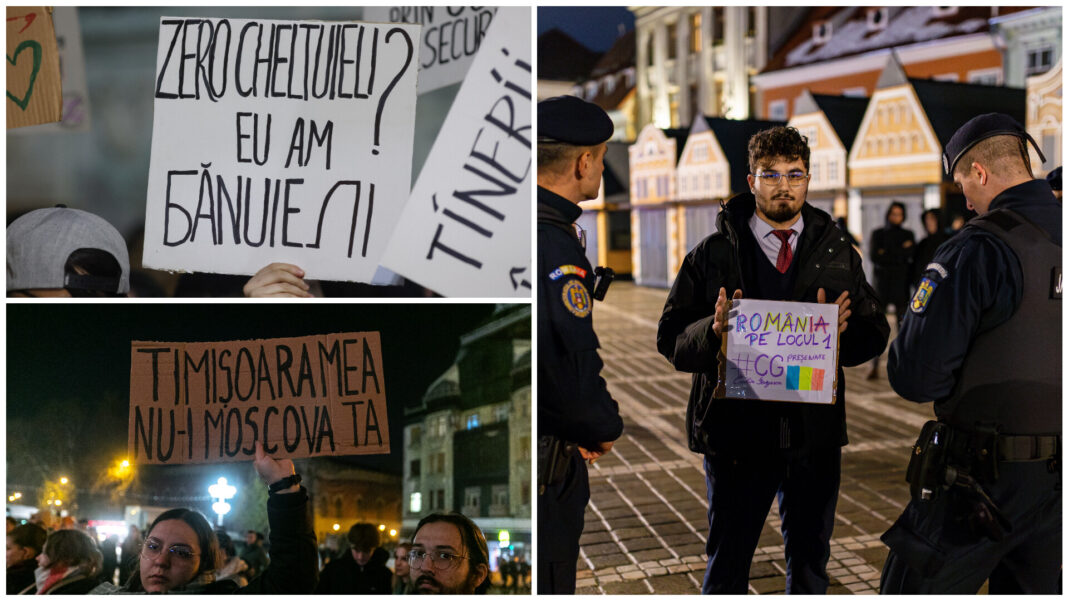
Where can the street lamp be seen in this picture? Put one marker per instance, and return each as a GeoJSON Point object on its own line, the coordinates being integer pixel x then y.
{"type": "Point", "coordinates": [221, 491]}
{"type": "Point", "coordinates": [63, 480]}
{"type": "Point", "coordinates": [337, 527]}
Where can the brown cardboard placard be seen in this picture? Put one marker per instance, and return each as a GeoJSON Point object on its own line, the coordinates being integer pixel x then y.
{"type": "Point", "coordinates": [34, 89]}
{"type": "Point", "coordinates": [207, 402]}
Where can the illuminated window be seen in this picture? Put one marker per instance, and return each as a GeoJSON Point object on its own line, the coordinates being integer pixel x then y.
{"type": "Point", "coordinates": [472, 421]}
{"type": "Point", "coordinates": [695, 33]}
{"type": "Point", "coordinates": [415, 502]}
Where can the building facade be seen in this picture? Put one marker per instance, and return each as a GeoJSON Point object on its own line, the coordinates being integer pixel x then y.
{"type": "Point", "coordinates": [467, 443]}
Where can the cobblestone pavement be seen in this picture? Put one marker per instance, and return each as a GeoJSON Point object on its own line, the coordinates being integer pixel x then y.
{"type": "Point", "coordinates": [646, 523]}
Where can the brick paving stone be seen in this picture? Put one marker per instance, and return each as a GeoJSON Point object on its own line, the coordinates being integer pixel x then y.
{"type": "Point", "coordinates": [634, 575]}
{"type": "Point", "coordinates": [625, 523]}
{"type": "Point", "coordinates": [616, 512]}
{"type": "Point", "coordinates": [625, 533]}
{"type": "Point", "coordinates": [641, 544]}
{"type": "Point", "coordinates": [585, 582]}
{"type": "Point", "coordinates": [627, 568]}
{"type": "Point", "coordinates": [838, 590]}
{"type": "Point", "coordinates": [626, 588]}
{"type": "Point", "coordinates": [658, 571]}
{"type": "Point", "coordinates": [591, 590]}
{"type": "Point", "coordinates": [652, 555]}
{"type": "Point", "coordinates": [609, 561]}
{"type": "Point", "coordinates": [648, 565]}
{"type": "Point", "coordinates": [670, 562]}
{"type": "Point", "coordinates": [602, 549]}
{"type": "Point", "coordinates": [610, 578]}
{"type": "Point", "coordinates": [682, 568]}
{"type": "Point", "coordinates": [690, 549]}
{"type": "Point", "coordinates": [675, 584]}
{"type": "Point", "coordinates": [850, 579]}
{"type": "Point", "coordinates": [593, 538]}
{"type": "Point", "coordinates": [662, 518]}
{"type": "Point", "coordinates": [773, 584]}
{"type": "Point", "coordinates": [763, 569]}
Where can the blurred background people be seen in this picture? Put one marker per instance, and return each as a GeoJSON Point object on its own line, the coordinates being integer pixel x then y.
{"type": "Point", "coordinates": [361, 571]}
{"type": "Point", "coordinates": [130, 549]}
{"type": "Point", "coordinates": [891, 254]}
{"type": "Point", "coordinates": [233, 567]}
{"type": "Point", "coordinates": [69, 564]}
{"type": "Point", "coordinates": [402, 579]}
{"type": "Point", "coordinates": [24, 544]}
{"type": "Point", "coordinates": [925, 249]}
{"type": "Point", "coordinates": [254, 555]}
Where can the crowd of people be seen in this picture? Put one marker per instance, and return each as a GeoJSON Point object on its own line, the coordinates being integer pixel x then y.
{"type": "Point", "coordinates": [181, 552]}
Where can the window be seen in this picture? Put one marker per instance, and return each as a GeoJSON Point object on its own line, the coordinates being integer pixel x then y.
{"type": "Point", "coordinates": [500, 495]}
{"type": "Point", "coordinates": [1039, 60]}
{"type": "Point", "coordinates": [524, 493]}
{"type": "Point", "coordinates": [415, 435]}
{"type": "Point", "coordinates": [947, 77]}
{"type": "Point", "coordinates": [413, 468]}
{"type": "Point", "coordinates": [628, 77]}
{"type": "Point", "coordinates": [777, 110]}
{"type": "Point", "coordinates": [695, 33]}
{"type": "Point", "coordinates": [649, 49]}
{"type": "Point", "coordinates": [985, 77]}
{"type": "Point", "coordinates": [500, 412]}
{"type": "Point", "coordinates": [684, 184]}
{"type": "Point", "coordinates": [877, 18]}
{"type": "Point", "coordinates": [338, 507]}
{"type": "Point", "coordinates": [591, 90]}
{"type": "Point", "coordinates": [415, 502]}
{"type": "Point", "coordinates": [441, 498]}
{"type": "Point", "coordinates": [609, 83]}
{"type": "Point", "coordinates": [672, 40]}
{"type": "Point", "coordinates": [750, 22]}
{"type": "Point", "coordinates": [472, 421]}
{"type": "Point", "coordinates": [821, 32]}
{"type": "Point", "coordinates": [524, 448]}
{"type": "Point", "coordinates": [858, 92]}
{"type": "Point", "coordinates": [832, 170]}
{"type": "Point", "coordinates": [717, 25]}
{"type": "Point", "coordinates": [815, 171]}
{"type": "Point", "coordinates": [472, 500]}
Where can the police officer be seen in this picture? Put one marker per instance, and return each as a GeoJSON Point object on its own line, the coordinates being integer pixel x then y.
{"type": "Point", "coordinates": [577, 418]}
{"type": "Point", "coordinates": [982, 341]}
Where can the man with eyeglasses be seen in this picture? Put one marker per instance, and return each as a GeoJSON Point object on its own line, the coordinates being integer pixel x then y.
{"type": "Point", "coordinates": [449, 556]}
{"type": "Point", "coordinates": [769, 245]}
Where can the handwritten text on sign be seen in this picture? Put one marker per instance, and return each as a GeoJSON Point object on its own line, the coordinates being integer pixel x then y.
{"type": "Point", "coordinates": [782, 351]}
{"type": "Point", "coordinates": [34, 91]}
{"type": "Point", "coordinates": [279, 141]}
{"type": "Point", "coordinates": [466, 230]}
{"type": "Point", "coordinates": [451, 36]}
{"type": "Point", "coordinates": [207, 402]}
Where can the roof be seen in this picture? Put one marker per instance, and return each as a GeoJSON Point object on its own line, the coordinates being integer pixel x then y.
{"type": "Point", "coordinates": [950, 105]}
{"type": "Point", "coordinates": [617, 173]}
{"type": "Point", "coordinates": [618, 57]}
{"type": "Point", "coordinates": [844, 113]}
{"type": "Point", "coordinates": [733, 137]}
{"type": "Point", "coordinates": [679, 135]}
{"type": "Point", "coordinates": [561, 58]}
{"type": "Point", "coordinates": [851, 36]}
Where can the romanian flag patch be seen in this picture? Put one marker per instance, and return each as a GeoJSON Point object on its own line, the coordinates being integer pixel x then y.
{"type": "Point", "coordinates": [923, 295]}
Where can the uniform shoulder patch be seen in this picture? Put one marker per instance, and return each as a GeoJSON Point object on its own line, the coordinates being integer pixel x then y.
{"type": "Point", "coordinates": [563, 270]}
{"type": "Point", "coordinates": [923, 295]}
{"type": "Point", "coordinates": [576, 299]}
{"type": "Point", "coordinates": [938, 268]}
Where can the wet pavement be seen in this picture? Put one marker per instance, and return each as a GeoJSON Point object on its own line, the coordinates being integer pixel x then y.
{"type": "Point", "coordinates": [646, 523]}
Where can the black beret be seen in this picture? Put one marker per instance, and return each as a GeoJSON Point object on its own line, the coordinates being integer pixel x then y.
{"type": "Point", "coordinates": [572, 120]}
{"type": "Point", "coordinates": [1054, 179]}
{"type": "Point", "coordinates": [978, 129]}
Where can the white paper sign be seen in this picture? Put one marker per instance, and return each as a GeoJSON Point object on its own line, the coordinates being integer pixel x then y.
{"type": "Point", "coordinates": [281, 141]}
{"type": "Point", "coordinates": [781, 351]}
{"type": "Point", "coordinates": [451, 37]}
{"type": "Point", "coordinates": [466, 229]}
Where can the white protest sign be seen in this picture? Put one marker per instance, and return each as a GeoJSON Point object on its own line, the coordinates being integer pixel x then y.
{"type": "Point", "coordinates": [281, 141]}
{"type": "Point", "coordinates": [451, 36]}
{"type": "Point", "coordinates": [466, 228]}
{"type": "Point", "coordinates": [781, 351]}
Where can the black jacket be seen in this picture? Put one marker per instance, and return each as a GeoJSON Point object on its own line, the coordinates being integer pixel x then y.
{"type": "Point", "coordinates": [344, 576]}
{"type": "Point", "coordinates": [573, 401]}
{"type": "Point", "coordinates": [685, 336]}
{"type": "Point", "coordinates": [20, 576]}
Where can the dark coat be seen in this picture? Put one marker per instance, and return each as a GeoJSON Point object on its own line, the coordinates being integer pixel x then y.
{"type": "Point", "coordinates": [344, 576]}
{"type": "Point", "coordinates": [825, 260]}
{"type": "Point", "coordinates": [80, 585]}
{"type": "Point", "coordinates": [891, 253]}
{"type": "Point", "coordinates": [20, 575]}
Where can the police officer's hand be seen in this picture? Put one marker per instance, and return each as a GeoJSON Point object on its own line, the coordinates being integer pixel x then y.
{"type": "Point", "coordinates": [843, 307]}
{"type": "Point", "coordinates": [278, 279]}
{"type": "Point", "coordinates": [719, 324]}
{"type": "Point", "coordinates": [593, 454]}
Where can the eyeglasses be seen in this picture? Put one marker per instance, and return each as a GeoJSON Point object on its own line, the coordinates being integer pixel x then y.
{"type": "Point", "coordinates": [152, 548]}
{"type": "Point", "coordinates": [772, 180]}
{"type": "Point", "coordinates": [439, 559]}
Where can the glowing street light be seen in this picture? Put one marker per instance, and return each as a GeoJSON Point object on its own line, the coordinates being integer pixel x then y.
{"type": "Point", "coordinates": [221, 491]}
{"type": "Point", "coordinates": [337, 527]}
{"type": "Point", "coordinates": [63, 480]}
{"type": "Point", "coordinates": [381, 527]}
{"type": "Point", "coordinates": [18, 495]}
{"type": "Point", "coordinates": [393, 532]}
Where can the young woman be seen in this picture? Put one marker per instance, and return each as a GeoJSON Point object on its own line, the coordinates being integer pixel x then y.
{"type": "Point", "coordinates": [182, 554]}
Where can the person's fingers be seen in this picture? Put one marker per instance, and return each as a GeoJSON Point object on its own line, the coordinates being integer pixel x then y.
{"type": "Point", "coordinates": [843, 297]}
{"type": "Point", "coordinates": [280, 290]}
{"type": "Point", "coordinates": [260, 453]}
{"type": "Point", "coordinates": [821, 296]}
{"type": "Point", "coordinates": [737, 294]}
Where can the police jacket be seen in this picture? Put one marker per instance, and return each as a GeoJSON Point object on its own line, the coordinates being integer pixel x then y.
{"type": "Point", "coordinates": [824, 259]}
{"type": "Point", "coordinates": [573, 401]}
{"type": "Point", "coordinates": [973, 289]}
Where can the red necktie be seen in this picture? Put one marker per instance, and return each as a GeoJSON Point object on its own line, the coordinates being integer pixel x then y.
{"type": "Point", "coordinates": [785, 254]}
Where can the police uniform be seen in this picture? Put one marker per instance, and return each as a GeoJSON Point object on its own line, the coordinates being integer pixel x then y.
{"type": "Point", "coordinates": [574, 405]}
{"type": "Point", "coordinates": [982, 340]}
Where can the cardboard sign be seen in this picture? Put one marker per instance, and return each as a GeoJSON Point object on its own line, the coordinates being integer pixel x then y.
{"type": "Point", "coordinates": [451, 37]}
{"type": "Point", "coordinates": [34, 93]}
{"type": "Point", "coordinates": [208, 402]}
{"type": "Point", "coordinates": [466, 229]}
{"type": "Point", "coordinates": [781, 351]}
{"type": "Point", "coordinates": [284, 141]}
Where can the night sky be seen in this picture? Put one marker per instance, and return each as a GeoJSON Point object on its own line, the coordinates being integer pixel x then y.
{"type": "Point", "coordinates": [80, 354]}
{"type": "Point", "coordinates": [595, 27]}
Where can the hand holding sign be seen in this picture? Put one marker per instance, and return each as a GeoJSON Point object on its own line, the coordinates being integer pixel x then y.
{"type": "Point", "coordinates": [273, 470]}
{"type": "Point", "coordinates": [843, 307]}
{"type": "Point", "coordinates": [722, 310]}
{"type": "Point", "coordinates": [278, 280]}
